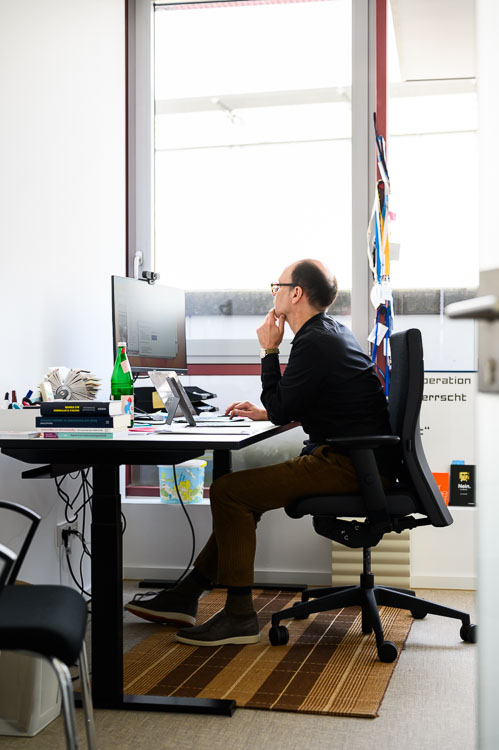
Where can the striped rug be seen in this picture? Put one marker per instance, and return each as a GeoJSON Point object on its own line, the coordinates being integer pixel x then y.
{"type": "Point", "coordinates": [328, 667]}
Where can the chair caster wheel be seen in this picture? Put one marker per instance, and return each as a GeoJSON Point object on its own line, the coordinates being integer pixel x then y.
{"type": "Point", "coordinates": [468, 633]}
{"type": "Point", "coordinates": [387, 652]}
{"type": "Point", "coordinates": [278, 636]}
{"type": "Point", "coordinates": [299, 617]}
{"type": "Point", "coordinates": [418, 615]}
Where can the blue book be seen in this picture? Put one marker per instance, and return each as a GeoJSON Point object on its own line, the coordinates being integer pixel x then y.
{"type": "Point", "coordinates": [80, 408]}
{"type": "Point", "coordinates": [84, 420]}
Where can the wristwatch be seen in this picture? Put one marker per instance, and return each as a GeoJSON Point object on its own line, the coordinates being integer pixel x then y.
{"type": "Point", "coordinates": [264, 352]}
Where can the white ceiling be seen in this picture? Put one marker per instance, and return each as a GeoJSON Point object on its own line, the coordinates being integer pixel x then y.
{"type": "Point", "coordinates": [435, 38]}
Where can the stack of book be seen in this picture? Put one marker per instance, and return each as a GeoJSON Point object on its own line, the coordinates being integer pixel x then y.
{"type": "Point", "coordinates": [82, 419]}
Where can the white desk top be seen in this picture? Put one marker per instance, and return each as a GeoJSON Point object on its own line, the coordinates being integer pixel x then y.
{"type": "Point", "coordinates": [178, 435]}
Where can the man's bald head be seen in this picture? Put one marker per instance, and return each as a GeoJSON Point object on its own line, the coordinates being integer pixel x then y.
{"type": "Point", "coordinates": [317, 282]}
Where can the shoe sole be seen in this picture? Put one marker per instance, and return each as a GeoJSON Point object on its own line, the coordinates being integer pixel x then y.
{"type": "Point", "coordinates": [154, 616]}
{"type": "Point", "coordinates": [237, 639]}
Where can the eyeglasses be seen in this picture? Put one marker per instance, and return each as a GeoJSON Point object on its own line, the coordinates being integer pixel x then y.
{"type": "Point", "coordinates": [274, 288]}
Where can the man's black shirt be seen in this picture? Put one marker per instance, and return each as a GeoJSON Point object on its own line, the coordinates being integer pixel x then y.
{"type": "Point", "coordinates": [329, 385]}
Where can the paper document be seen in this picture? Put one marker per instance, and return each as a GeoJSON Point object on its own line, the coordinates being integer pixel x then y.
{"type": "Point", "coordinates": [193, 431]}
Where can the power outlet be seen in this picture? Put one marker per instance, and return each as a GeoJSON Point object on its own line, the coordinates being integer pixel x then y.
{"type": "Point", "coordinates": [59, 542]}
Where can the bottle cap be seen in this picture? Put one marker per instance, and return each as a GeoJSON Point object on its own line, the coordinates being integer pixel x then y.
{"type": "Point", "coordinates": [121, 343]}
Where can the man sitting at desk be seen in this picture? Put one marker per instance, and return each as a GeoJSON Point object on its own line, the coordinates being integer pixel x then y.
{"type": "Point", "coordinates": [330, 386]}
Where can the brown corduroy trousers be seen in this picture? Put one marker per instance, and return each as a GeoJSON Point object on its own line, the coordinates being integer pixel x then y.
{"type": "Point", "coordinates": [239, 499]}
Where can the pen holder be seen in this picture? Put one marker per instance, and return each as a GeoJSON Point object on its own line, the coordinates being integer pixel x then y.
{"type": "Point", "coordinates": [190, 482]}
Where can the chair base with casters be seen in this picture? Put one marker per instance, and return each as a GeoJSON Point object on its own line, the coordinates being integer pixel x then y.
{"type": "Point", "coordinates": [368, 596]}
{"type": "Point", "coordinates": [50, 621]}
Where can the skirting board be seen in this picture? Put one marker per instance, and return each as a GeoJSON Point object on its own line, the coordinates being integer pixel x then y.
{"type": "Point", "coordinates": [308, 578]}
{"type": "Point", "coordinates": [462, 583]}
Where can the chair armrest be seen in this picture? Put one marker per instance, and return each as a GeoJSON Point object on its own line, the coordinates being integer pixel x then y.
{"type": "Point", "coordinates": [365, 441]}
{"type": "Point", "coordinates": [360, 450]}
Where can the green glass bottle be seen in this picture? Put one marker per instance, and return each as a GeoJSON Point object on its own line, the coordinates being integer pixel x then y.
{"type": "Point", "coordinates": [122, 381]}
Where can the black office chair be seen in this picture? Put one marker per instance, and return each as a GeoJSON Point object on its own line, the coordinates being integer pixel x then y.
{"type": "Point", "coordinates": [415, 493]}
{"type": "Point", "coordinates": [47, 621]}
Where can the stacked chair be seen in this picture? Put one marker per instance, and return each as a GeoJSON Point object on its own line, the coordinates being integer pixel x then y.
{"type": "Point", "coordinates": [46, 621]}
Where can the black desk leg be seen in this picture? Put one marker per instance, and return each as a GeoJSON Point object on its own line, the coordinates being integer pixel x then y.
{"type": "Point", "coordinates": [107, 611]}
{"type": "Point", "coordinates": [222, 463]}
{"type": "Point", "coordinates": [107, 589]}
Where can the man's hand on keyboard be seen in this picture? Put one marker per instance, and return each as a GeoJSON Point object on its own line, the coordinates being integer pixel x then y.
{"type": "Point", "coordinates": [248, 410]}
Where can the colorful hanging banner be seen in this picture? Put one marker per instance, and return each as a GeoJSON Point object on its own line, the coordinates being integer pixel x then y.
{"type": "Point", "coordinates": [378, 252]}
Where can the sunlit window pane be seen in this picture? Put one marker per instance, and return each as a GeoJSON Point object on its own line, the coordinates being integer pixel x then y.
{"type": "Point", "coordinates": [253, 141]}
{"type": "Point", "coordinates": [234, 217]}
{"type": "Point", "coordinates": [216, 50]}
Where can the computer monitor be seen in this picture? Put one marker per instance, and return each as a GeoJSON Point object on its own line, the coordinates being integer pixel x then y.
{"type": "Point", "coordinates": [151, 319]}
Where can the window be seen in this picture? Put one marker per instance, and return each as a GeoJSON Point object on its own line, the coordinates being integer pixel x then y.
{"type": "Point", "coordinates": [252, 140]}
{"type": "Point", "coordinates": [252, 155]}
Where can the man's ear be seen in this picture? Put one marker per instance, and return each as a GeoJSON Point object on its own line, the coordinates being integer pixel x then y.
{"type": "Point", "coordinates": [297, 295]}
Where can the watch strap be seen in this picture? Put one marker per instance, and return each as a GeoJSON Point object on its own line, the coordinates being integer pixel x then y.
{"type": "Point", "coordinates": [271, 350]}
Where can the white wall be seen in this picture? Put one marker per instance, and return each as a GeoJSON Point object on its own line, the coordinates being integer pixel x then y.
{"type": "Point", "coordinates": [62, 210]}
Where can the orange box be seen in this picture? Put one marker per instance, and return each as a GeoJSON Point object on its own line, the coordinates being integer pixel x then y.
{"type": "Point", "coordinates": [442, 479]}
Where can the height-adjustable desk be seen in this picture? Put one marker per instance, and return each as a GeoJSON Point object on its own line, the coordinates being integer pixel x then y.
{"type": "Point", "coordinates": [105, 457]}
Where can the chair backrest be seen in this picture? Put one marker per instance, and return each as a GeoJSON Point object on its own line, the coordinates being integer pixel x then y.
{"type": "Point", "coordinates": [7, 561]}
{"type": "Point", "coordinates": [406, 395]}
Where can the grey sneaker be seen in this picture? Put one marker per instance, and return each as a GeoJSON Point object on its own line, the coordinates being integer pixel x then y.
{"type": "Point", "coordinates": [221, 629]}
{"type": "Point", "coordinates": [167, 606]}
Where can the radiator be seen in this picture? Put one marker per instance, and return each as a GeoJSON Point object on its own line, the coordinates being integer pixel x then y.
{"type": "Point", "coordinates": [390, 562]}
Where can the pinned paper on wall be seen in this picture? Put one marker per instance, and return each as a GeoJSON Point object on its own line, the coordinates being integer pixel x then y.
{"type": "Point", "coordinates": [377, 334]}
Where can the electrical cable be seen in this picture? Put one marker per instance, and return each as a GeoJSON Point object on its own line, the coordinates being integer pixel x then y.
{"type": "Point", "coordinates": [183, 575]}
{"type": "Point", "coordinates": [143, 594]}
{"type": "Point", "coordinates": [142, 411]}
{"type": "Point", "coordinates": [69, 504]}
{"type": "Point", "coordinates": [85, 492]}
{"type": "Point", "coordinates": [72, 515]}
{"type": "Point", "coordinates": [81, 588]}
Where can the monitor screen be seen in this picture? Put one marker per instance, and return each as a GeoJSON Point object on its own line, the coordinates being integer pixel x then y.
{"type": "Point", "coordinates": [151, 319]}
